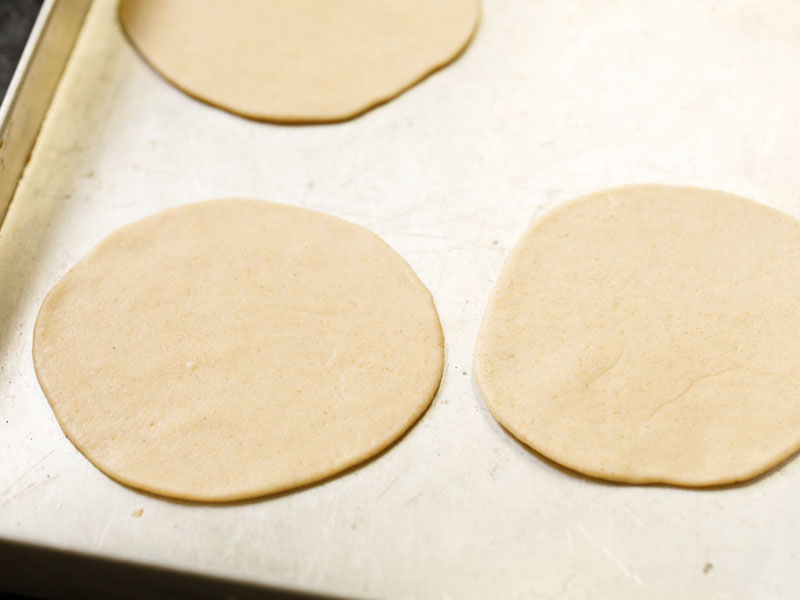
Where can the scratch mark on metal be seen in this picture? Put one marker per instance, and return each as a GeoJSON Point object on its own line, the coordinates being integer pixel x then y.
{"type": "Point", "coordinates": [395, 480]}
{"type": "Point", "coordinates": [103, 533]}
{"type": "Point", "coordinates": [18, 479]}
{"type": "Point", "coordinates": [378, 570]}
{"type": "Point", "coordinates": [566, 583]}
{"type": "Point", "coordinates": [434, 492]}
{"type": "Point", "coordinates": [613, 557]}
{"type": "Point", "coordinates": [321, 543]}
{"type": "Point", "coordinates": [31, 487]}
{"type": "Point", "coordinates": [634, 517]}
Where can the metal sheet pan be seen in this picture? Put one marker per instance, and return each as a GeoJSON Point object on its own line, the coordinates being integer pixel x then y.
{"type": "Point", "coordinates": [32, 87]}
{"type": "Point", "coordinates": [553, 99]}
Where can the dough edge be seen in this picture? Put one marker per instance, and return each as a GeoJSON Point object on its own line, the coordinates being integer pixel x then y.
{"type": "Point", "coordinates": [335, 116]}
{"type": "Point", "coordinates": [565, 463]}
{"type": "Point", "coordinates": [297, 484]}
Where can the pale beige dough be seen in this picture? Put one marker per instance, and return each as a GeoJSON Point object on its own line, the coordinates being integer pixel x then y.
{"type": "Point", "coordinates": [650, 334]}
{"type": "Point", "coordinates": [298, 61]}
{"type": "Point", "coordinates": [234, 348]}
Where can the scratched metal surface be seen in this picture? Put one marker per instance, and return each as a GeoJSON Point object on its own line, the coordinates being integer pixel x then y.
{"type": "Point", "coordinates": [552, 100]}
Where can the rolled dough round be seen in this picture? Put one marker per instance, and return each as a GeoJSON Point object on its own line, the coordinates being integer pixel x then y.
{"type": "Point", "coordinates": [234, 348]}
{"type": "Point", "coordinates": [298, 61]}
{"type": "Point", "coordinates": [650, 334]}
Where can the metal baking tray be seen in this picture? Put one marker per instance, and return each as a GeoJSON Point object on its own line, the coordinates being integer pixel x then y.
{"type": "Point", "coordinates": [553, 99]}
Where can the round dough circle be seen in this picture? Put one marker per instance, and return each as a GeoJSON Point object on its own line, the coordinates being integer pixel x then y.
{"type": "Point", "coordinates": [298, 61]}
{"type": "Point", "coordinates": [234, 348]}
{"type": "Point", "coordinates": [650, 334]}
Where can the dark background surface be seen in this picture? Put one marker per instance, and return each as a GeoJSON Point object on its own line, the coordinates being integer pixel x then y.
{"type": "Point", "coordinates": [16, 21]}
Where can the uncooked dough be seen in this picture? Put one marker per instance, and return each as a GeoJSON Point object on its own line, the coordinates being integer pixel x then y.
{"type": "Point", "coordinates": [233, 348]}
{"type": "Point", "coordinates": [298, 61]}
{"type": "Point", "coordinates": [650, 334]}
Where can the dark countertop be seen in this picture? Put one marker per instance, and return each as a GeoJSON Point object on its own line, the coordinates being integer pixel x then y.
{"type": "Point", "coordinates": [16, 20]}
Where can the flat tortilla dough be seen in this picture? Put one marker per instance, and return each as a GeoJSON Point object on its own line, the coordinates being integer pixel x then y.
{"type": "Point", "coordinates": [650, 334]}
{"type": "Point", "coordinates": [234, 348]}
{"type": "Point", "coordinates": [298, 61]}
